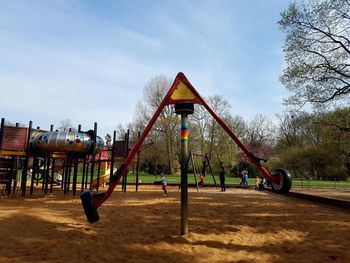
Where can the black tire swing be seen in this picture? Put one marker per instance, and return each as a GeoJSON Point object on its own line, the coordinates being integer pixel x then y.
{"type": "Point", "coordinates": [285, 181]}
{"type": "Point", "coordinates": [89, 206]}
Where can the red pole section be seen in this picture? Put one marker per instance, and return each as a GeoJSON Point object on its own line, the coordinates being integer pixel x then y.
{"type": "Point", "coordinates": [99, 199]}
{"type": "Point", "coordinates": [249, 154]}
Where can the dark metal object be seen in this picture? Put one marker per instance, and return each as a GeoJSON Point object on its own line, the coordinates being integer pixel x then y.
{"type": "Point", "coordinates": [25, 166]}
{"type": "Point", "coordinates": [185, 107]}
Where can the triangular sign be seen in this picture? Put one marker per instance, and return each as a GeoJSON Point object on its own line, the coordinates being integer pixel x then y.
{"type": "Point", "coordinates": [181, 93]}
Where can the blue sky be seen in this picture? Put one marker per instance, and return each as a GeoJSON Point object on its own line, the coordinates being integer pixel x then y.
{"type": "Point", "coordinates": [90, 60]}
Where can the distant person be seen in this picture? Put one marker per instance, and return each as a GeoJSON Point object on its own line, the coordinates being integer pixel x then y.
{"type": "Point", "coordinates": [58, 178]}
{"type": "Point", "coordinates": [262, 184]}
{"type": "Point", "coordinates": [246, 178]}
{"type": "Point", "coordinates": [29, 172]}
{"type": "Point", "coordinates": [222, 178]}
{"type": "Point", "coordinates": [201, 180]}
{"type": "Point", "coordinates": [164, 183]}
{"type": "Point", "coordinates": [244, 175]}
{"type": "Point", "coordinates": [257, 183]}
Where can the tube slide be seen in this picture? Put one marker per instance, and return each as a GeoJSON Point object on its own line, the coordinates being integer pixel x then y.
{"type": "Point", "coordinates": [65, 142]}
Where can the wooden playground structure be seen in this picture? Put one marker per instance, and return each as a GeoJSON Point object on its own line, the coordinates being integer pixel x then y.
{"type": "Point", "coordinates": [69, 161]}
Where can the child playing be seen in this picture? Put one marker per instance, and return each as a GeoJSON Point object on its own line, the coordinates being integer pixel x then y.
{"type": "Point", "coordinates": [163, 180]}
{"type": "Point", "coordinates": [201, 181]}
{"type": "Point", "coordinates": [257, 182]}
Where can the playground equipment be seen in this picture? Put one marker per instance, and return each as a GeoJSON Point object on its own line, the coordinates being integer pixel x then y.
{"type": "Point", "coordinates": [205, 163]}
{"type": "Point", "coordinates": [181, 91]}
{"type": "Point", "coordinates": [66, 142]}
{"type": "Point", "coordinates": [39, 154]}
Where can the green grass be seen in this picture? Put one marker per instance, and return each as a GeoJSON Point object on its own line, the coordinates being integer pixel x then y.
{"type": "Point", "coordinates": [175, 179]}
{"type": "Point", "coordinates": [321, 183]}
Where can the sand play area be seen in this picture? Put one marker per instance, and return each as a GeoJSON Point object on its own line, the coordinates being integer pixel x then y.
{"type": "Point", "coordinates": [240, 225]}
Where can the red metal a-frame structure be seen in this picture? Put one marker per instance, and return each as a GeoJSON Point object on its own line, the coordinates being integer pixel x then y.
{"type": "Point", "coordinates": [180, 91]}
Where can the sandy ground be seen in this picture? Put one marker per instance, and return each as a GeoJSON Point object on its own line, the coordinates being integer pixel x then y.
{"type": "Point", "coordinates": [341, 194]}
{"type": "Point", "coordinates": [240, 225]}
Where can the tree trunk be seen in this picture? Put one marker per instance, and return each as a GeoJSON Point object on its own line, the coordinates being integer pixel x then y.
{"type": "Point", "coordinates": [348, 168]}
{"type": "Point", "coordinates": [168, 136]}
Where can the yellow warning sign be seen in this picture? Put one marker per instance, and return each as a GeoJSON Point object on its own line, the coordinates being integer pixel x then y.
{"type": "Point", "coordinates": [182, 92]}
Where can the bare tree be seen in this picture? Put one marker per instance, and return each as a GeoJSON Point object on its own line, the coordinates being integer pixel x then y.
{"type": "Point", "coordinates": [221, 106]}
{"type": "Point", "coordinates": [199, 119]}
{"type": "Point", "coordinates": [261, 130]}
{"type": "Point", "coordinates": [167, 123]}
{"type": "Point", "coordinates": [289, 130]}
{"type": "Point", "coordinates": [238, 126]}
{"type": "Point", "coordinates": [66, 125]}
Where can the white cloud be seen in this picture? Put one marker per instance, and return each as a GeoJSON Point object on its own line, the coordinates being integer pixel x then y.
{"type": "Point", "coordinates": [59, 59]}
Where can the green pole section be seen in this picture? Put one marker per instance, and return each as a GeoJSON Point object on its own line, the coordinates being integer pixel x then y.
{"type": "Point", "coordinates": [184, 177]}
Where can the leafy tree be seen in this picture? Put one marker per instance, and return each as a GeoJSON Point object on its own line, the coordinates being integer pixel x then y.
{"type": "Point", "coordinates": [336, 138]}
{"type": "Point", "coordinates": [317, 52]}
{"type": "Point", "coordinates": [312, 145]}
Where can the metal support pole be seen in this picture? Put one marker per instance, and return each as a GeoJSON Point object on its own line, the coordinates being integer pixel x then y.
{"type": "Point", "coordinates": [112, 157]}
{"type": "Point", "coordinates": [65, 176]}
{"type": "Point", "coordinates": [98, 171]}
{"type": "Point", "coordinates": [34, 169]}
{"type": "Point", "coordinates": [93, 157]}
{"type": "Point", "coordinates": [69, 174]}
{"type": "Point", "coordinates": [125, 176]}
{"type": "Point", "coordinates": [2, 125]}
{"type": "Point", "coordinates": [184, 178]}
{"type": "Point", "coordinates": [25, 166]}
{"type": "Point", "coordinates": [137, 165]}
{"type": "Point", "coordinates": [15, 175]}
{"type": "Point", "coordinates": [47, 175]}
{"type": "Point", "coordinates": [190, 157]}
{"type": "Point", "coordinates": [75, 175]}
{"type": "Point", "coordinates": [52, 174]}
{"type": "Point", "coordinates": [211, 171]}
{"type": "Point", "coordinates": [83, 175]}
{"type": "Point", "coordinates": [63, 172]}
